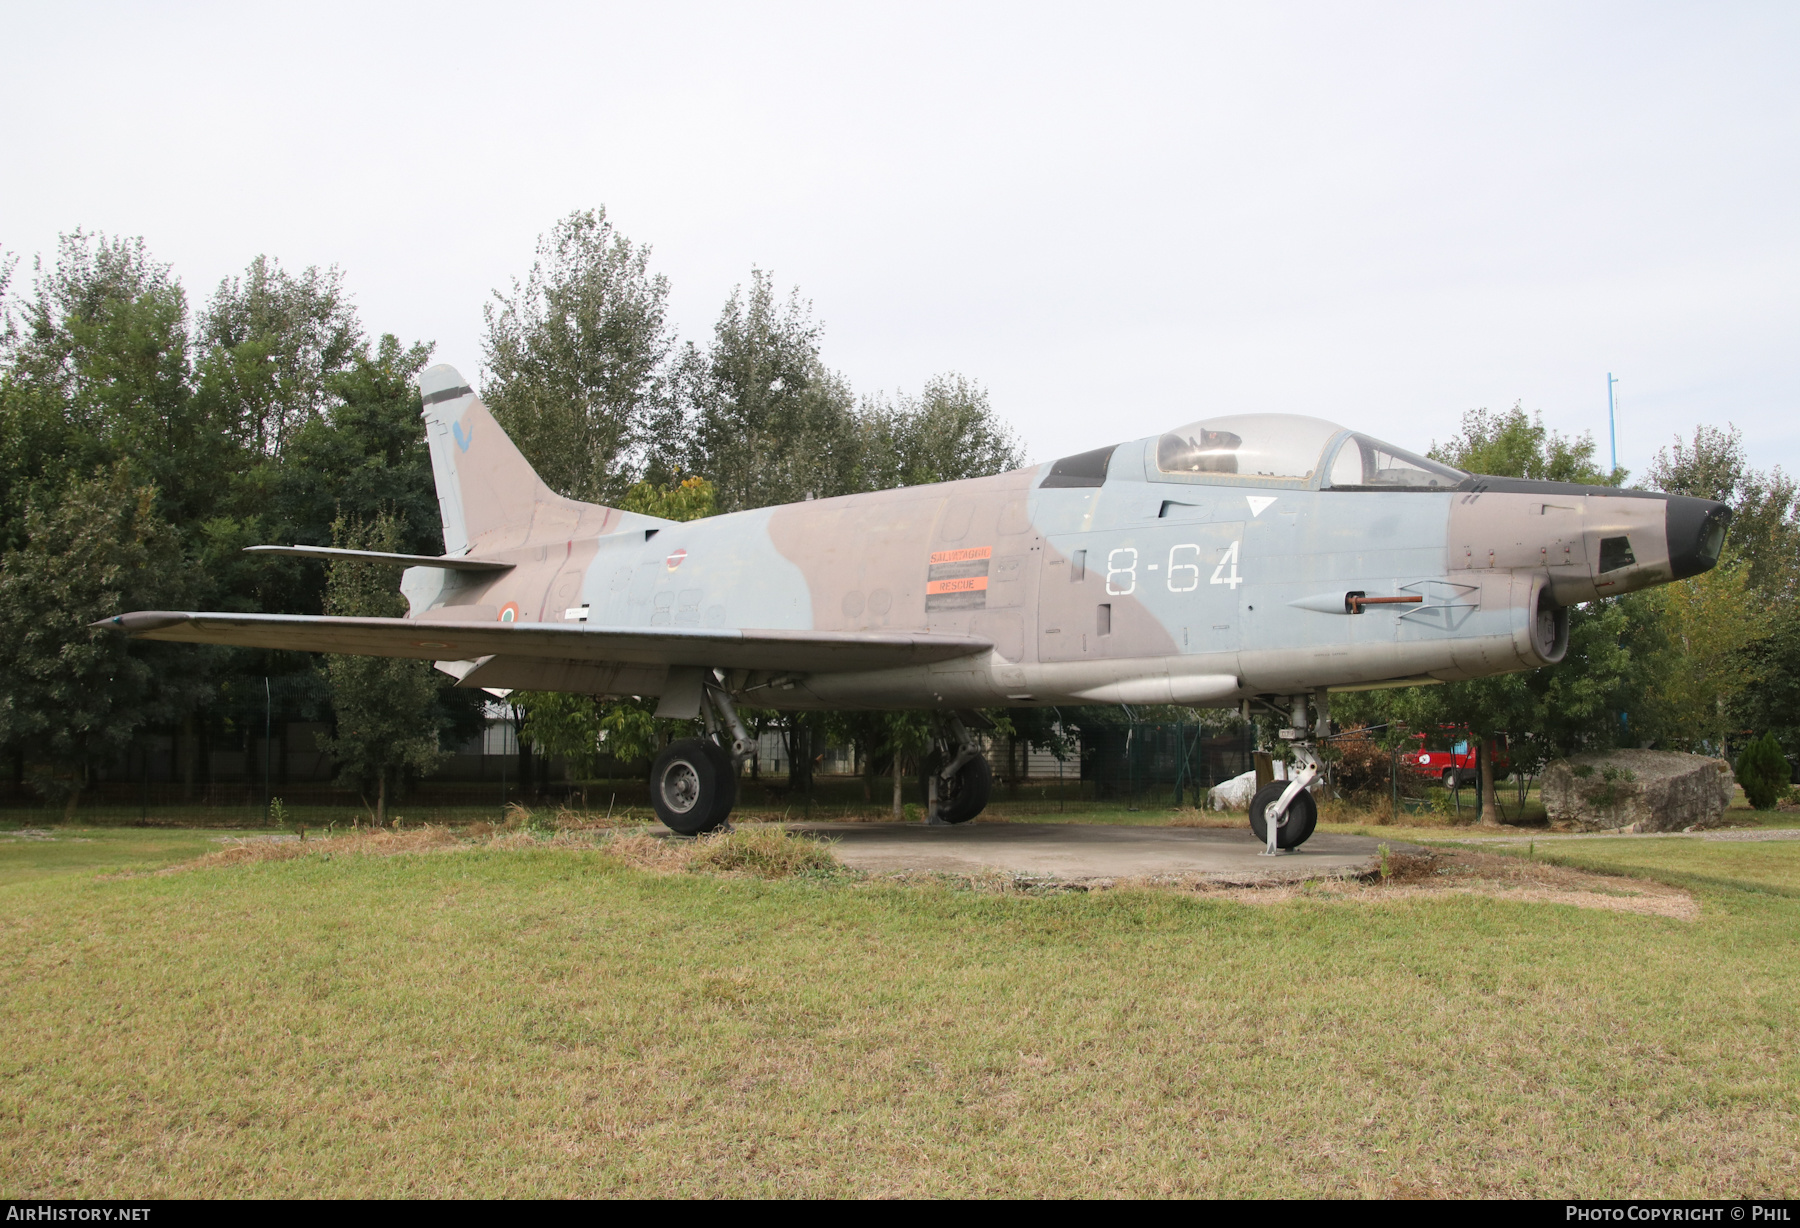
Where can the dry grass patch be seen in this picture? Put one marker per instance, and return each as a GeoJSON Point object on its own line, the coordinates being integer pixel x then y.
{"type": "Point", "coordinates": [365, 842]}
{"type": "Point", "coordinates": [1467, 872]}
{"type": "Point", "coordinates": [756, 852]}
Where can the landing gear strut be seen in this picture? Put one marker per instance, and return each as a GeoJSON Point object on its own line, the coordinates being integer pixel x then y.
{"type": "Point", "coordinates": [1283, 813]}
{"type": "Point", "coordinates": [954, 778]}
{"type": "Point", "coordinates": [693, 783]}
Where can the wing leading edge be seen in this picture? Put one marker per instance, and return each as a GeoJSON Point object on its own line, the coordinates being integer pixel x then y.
{"type": "Point", "coordinates": [810, 652]}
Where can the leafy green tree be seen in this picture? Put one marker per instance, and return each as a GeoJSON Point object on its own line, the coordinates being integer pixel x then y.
{"type": "Point", "coordinates": [562, 726]}
{"type": "Point", "coordinates": [363, 456]}
{"type": "Point", "coordinates": [73, 696]}
{"type": "Point", "coordinates": [1511, 444]}
{"type": "Point", "coordinates": [767, 422]}
{"type": "Point", "coordinates": [1772, 699]}
{"type": "Point", "coordinates": [1748, 636]}
{"type": "Point", "coordinates": [386, 707]}
{"type": "Point", "coordinates": [360, 456]}
{"type": "Point", "coordinates": [688, 498]}
{"type": "Point", "coordinates": [271, 342]}
{"type": "Point", "coordinates": [100, 374]}
{"type": "Point", "coordinates": [906, 736]}
{"type": "Point", "coordinates": [576, 358]}
{"type": "Point", "coordinates": [628, 729]}
{"type": "Point", "coordinates": [947, 433]}
{"type": "Point", "coordinates": [1709, 624]}
{"type": "Point", "coordinates": [1763, 772]}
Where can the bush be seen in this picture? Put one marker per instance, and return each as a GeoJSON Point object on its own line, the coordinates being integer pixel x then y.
{"type": "Point", "coordinates": [765, 853]}
{"type": "Point", "coordinates": [1763, 772]}
{"type": "Point", "coordinates": [1361, 766]}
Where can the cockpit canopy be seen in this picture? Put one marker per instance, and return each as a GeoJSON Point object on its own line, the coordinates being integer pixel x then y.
{"type": "Point", "coordinates": [1290, 449]}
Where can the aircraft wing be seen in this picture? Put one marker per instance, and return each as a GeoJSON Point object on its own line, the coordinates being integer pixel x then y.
{"type": "Point", "coordinates": [809, 652]}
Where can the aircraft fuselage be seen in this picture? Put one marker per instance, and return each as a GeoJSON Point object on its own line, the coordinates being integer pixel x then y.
{"type": "Point", "coordinates": [1116, 583]}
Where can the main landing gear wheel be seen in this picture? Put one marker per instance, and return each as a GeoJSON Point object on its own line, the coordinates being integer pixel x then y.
{"type": "Point", "coordinates": [728, 776]}
{"type": "Point", "coordinates": [964, 795]}
{"type": "Point", "coordinates": [692, 786]}
{"type": "Point", "coordinates": [1302, 816]}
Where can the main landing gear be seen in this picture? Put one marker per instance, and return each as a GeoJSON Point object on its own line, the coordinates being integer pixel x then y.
{"type": "Point", "coordinates": [1283, 813]}
{"type": "Point", "coordinates": [693, 783]}
{"type": "Point", "coordinates": [954, 779]}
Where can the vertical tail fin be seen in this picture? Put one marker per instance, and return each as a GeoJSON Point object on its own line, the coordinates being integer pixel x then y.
{"type": "Point", "coordinates": [488, 493]}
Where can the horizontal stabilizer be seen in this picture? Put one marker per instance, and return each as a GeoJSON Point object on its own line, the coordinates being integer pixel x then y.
{"type": "Point", "coordinates": [377, 556]}
{"type": "Point", "coordinates": [810, 652]}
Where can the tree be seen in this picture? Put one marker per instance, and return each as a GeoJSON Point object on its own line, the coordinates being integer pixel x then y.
{"type": "Point", "coordinates": [575, 358]}
{"type": "Point", "coordinates": [689, 498]}
{"type": "Point", "coordinates": [1510, 444]}
{"type": "Point", "coordinates": [271, 343]}
{"type": "Point", "coordinates": [363, 456]}
{"type": "Point", "coordinates": [1763, 772]}
{"type": "Point", "coordinates": [1771, 701]}
{"type": "Point", "coordinates": [73, 696]}
{"type": "Point", "coordinates": [907, 737]}
{"type": "Point", "coordinates": [100, 374]}
{"type": "Point", "coordinates": [767, 422]}
{"type": "Point", "coordinates": [947, 433]}
{"type": "Point", "coordinates": [1745, 614]}
{"type": "Point", "coordinates": [562, 726]}
{"type": "Point", "coordinates": [386, 707]}
{"type": "Point", "coordinates": [1709, 622]}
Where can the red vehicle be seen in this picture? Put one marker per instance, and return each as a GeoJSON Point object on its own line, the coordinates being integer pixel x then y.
{"type": "Point", "coordinates": [1457, 766]}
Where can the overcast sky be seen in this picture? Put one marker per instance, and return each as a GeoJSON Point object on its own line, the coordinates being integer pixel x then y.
{"type": "Point", "coordinates": [1117, 217]}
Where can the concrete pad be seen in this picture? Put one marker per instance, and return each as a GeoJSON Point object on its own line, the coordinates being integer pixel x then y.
{"type": "Point", "coordinates": [1077, 852]}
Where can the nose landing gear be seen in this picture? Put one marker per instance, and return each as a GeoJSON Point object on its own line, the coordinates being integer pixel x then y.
{"type": "Point", "coordinates": [1283, 813]}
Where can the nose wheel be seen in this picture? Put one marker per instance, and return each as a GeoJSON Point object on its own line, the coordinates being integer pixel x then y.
{"type": "Point", "coordinates": [1292, 827]}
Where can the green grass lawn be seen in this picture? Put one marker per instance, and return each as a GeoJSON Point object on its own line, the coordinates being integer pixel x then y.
{"type": "Point", "coordinates": [539, 1021]}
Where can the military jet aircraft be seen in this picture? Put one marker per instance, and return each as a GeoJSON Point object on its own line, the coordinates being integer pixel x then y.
{"type": "Point", "coordinates": [1244, 559]}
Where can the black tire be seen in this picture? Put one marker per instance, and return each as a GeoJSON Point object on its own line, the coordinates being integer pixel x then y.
{"type": "Point", "coordinates": [1452, 778]}
{"type": "Point", "coordinates": [686, 786]}
{"type": "Point", "coordinates": [968, 791]}
{"type": "Point", "coordinates": [1302, 816]}
{"type": "Point", "coordinates": [728, 780]}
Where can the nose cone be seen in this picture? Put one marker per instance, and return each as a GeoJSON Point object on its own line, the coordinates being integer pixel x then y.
{"type": "Point", "coordinates": [1696, 533]}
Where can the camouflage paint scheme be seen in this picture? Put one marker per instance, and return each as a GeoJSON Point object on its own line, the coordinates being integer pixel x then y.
{"type": "Point", "coordinates": [1097, 579]}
